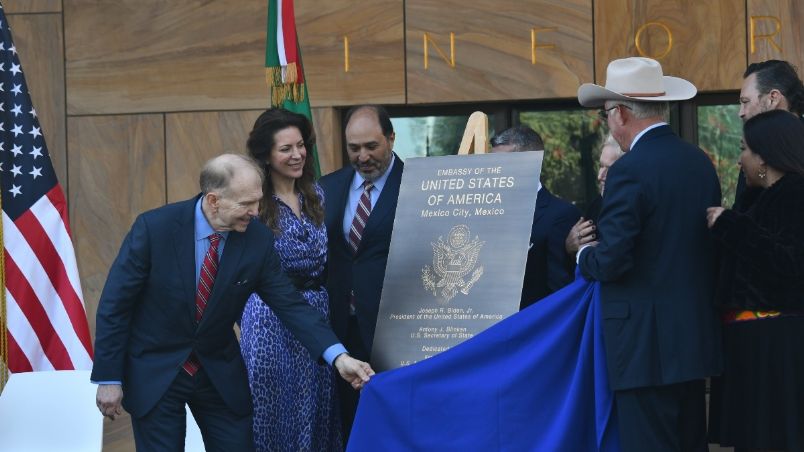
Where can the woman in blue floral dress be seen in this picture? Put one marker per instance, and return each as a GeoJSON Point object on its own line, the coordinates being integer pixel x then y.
{"type": "Point", "coordinates": [295, 407]}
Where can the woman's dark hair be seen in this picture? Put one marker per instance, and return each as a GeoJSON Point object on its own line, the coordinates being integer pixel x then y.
{"type": "Point", "coordinates": [781, 75]}
{"type": "Point", "coordinates": [260, 143]}
{"type": "Point", "coordinates": [778, 137]}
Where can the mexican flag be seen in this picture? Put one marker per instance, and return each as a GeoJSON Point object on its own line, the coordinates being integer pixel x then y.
{"type": "Point", "coordinates": [283, 64]}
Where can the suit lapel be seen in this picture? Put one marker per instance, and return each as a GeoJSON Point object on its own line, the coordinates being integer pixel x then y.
{"type": "Point", "coordinates": [184, 245]}
{"type": "Point", "coordinates": [227, 270]}
{"type": "Point", "coordinates": [340, 205]}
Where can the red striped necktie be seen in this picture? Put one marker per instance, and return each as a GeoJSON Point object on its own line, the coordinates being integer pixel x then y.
{"type": "Point", "coordinates": [361, 216]}
{"type": "Point", "coordinates": [209, 269]}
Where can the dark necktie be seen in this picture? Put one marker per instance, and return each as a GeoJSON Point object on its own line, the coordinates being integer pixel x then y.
{"type": "Point", "coordinates": [209, 269]}
{"type": "Point", "coordinates": [358, 224]}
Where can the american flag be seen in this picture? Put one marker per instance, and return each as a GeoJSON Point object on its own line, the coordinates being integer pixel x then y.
{"type": "Point", "coordinates": [46, 320]}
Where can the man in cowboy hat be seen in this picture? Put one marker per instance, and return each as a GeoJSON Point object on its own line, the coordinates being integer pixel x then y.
{"type": "Point", "coordinates": [655, 262]}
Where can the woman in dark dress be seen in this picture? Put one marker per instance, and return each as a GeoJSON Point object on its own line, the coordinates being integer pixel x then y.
{"type": "Point", "coordinates": [295, 407]}
{"type": "Point", "coordinates": [758, 403]}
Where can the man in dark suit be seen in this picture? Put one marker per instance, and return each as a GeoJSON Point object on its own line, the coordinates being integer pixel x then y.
{"type": "Point", "coordinates": [655, 261]}
{"type": "Point", "coordinates": [165, 320]}
{"type": "Point", "coordinates": [547, 268]}
{"type": "Point", "coordinates": [360, 234]}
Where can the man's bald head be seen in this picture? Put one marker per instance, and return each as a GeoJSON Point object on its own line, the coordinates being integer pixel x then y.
{"type": "Point", "coordinates": [218, 172]}
{"type": "Point", "coordinates": [232, 190]}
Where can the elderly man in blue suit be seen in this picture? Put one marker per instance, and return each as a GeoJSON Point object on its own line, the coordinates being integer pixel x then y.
{"type": "Point", "coordinates": [547, 268]}
{"type": "Point", "coordinates": [165, 335]}
{"type": "Point", "coordinates": [655, 262]}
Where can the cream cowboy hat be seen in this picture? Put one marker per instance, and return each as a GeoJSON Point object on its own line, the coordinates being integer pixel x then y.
{"type": "Point", "coordinates": [636, 79]}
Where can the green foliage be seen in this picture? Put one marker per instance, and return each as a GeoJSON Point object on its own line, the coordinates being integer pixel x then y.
{"type": "Point", "coordinates": [719, 133]}
{"type": "Point", "coordinates": [438, 135]}
{"type": "Point", "coordinates": [566, 133]}
{"type": "Point", "coordinates": [446, 134]}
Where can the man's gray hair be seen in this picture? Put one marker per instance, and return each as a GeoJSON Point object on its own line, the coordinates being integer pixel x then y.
{"type": "Point", "coordinates": [646, 110]}
{"type": "Point", "coordinates": [217, 173]}
{"type": "Point", "coordinates": [521, 137]}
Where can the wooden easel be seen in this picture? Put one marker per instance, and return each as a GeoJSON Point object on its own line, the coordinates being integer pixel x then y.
{"type": "Point", "coordinates": [475, 136]}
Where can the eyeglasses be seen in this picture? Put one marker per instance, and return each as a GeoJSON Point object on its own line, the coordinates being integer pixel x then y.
{"type": "Point", "coordinates": [604, 113]}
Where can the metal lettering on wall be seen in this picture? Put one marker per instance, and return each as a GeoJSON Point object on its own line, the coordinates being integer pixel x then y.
{"type": "Point", "coordinates": [753, 36]}
{"type": "Point", "coordinates": [440, 52]}
{"type": "Point", "coordinates": [533, 42]}
{"type": "Point", "coordinates": [458, 252]}
{"type": "Point", "coordinates": [451, 61]}
{"type": "Point", "coordinates": [638, 41]}
{"type": "Point", "coordinates": [428, 40]}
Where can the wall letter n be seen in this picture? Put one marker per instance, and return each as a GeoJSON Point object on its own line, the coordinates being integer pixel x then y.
{"type": "Point", "coordinates": [450, 61]}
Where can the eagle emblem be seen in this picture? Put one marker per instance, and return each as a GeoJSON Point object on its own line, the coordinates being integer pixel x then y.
{"type": "Point", "coordinates": [453, 261]}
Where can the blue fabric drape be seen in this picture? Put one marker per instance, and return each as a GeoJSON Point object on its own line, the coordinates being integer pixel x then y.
{"type": "Point", "coordinates": [536, 381]}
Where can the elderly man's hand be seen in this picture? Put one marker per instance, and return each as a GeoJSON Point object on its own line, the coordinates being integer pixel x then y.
{"type": "Point", "coordinates": [109, 399]}
{"type": "Point", "coordinates": [582, 233]}
{"type": "Point", "coordinates": [356, 372]}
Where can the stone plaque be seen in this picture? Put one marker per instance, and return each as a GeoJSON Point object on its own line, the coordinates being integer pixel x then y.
{"type": "Point", "coordinates": [457, 254]}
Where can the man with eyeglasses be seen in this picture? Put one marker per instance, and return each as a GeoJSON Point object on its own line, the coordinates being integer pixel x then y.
{"type": "Point", "coordinates": [768, 85]}
{"type": "Point", "coordinates": [655, 262]}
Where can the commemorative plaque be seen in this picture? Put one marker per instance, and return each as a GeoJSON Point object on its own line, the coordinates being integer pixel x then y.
{"type": "Point", "coordinates": [458, 251]}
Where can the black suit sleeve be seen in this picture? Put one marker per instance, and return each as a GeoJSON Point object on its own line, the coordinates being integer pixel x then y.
{"type": "Point", "coordinates": [127, 278]}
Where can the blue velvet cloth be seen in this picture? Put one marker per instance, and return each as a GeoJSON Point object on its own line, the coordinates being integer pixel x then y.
{"type": "Point", "coordinates": [536, 381]}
